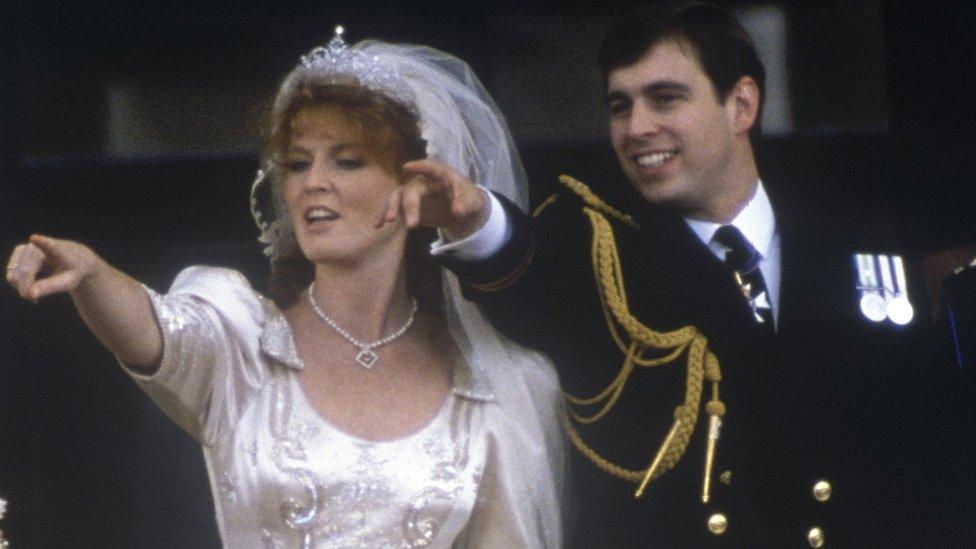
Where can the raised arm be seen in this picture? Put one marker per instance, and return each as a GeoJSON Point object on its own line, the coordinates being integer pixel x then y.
{"type": "Point", "coordinates": [113, 305]}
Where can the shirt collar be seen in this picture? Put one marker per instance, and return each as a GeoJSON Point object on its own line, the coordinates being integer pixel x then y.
{"type": "Point", "coordinates": [756, 221]}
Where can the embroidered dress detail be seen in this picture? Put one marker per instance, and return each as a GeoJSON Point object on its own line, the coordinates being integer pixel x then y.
{"type": "Point", "coordinates": [342, 491]}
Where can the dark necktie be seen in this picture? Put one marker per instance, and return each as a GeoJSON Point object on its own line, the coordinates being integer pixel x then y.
{"type": "Point", "coordinates": [743, 260]}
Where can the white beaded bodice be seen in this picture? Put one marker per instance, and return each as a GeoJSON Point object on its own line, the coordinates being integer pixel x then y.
{"type": "Point", "coordinates": [336, 490]}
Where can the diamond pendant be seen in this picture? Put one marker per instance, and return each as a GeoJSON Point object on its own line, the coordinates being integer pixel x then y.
{"type": "Point", "coordinates": [366, 357]}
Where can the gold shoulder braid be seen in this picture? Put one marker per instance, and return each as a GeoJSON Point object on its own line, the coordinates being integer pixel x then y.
{"type": "Point", "coordinates": [545, 204]}
{"type": "Point", "coordinates": [634, 341]}
{"type": "Point", "coordinates": [594, 201]}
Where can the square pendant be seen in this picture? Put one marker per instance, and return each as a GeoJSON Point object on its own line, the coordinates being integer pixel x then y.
{"type": "Point", "coordinates": [367, 358]}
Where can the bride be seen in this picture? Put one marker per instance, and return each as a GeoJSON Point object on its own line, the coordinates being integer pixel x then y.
{"type": "Point", "coordinates": [363, 402]}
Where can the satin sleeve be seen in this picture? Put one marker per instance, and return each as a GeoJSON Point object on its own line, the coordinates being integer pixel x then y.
{"type": "Point", "coordinates": [211, 322]}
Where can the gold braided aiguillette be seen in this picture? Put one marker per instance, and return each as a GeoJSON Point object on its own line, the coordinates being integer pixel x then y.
{"type": "Point", "coordinates": [701, 364]}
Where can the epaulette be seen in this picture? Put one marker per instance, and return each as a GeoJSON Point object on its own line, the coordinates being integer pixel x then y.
{"type": "Point", "coordinates": [593, 201]}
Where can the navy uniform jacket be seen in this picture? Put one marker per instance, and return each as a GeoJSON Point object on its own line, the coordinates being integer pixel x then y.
{"type": "Point", "coordinates": [830, 396]}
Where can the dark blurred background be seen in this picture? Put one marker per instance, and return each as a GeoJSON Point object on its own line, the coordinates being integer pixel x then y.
{"type": "Point", "coordinates": [134, 128]}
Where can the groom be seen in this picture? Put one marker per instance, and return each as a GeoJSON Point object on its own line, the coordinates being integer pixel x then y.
{"type": "Point", "coordinates": [735, 375]}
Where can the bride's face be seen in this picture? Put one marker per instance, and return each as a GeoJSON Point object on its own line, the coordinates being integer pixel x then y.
{"type": "Point", "coordinates": [336, 186]}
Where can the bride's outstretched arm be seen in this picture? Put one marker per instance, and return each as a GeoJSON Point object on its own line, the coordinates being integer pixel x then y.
{"type": "Point", "coordinates": [113, 305]}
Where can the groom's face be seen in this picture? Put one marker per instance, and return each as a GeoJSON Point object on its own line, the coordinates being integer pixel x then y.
{"type": "Point", "coordinates": [674, 138]}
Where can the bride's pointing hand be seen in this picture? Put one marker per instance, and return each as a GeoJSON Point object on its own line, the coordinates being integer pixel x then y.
{"type": "Point", "coordinates": [44, 266]}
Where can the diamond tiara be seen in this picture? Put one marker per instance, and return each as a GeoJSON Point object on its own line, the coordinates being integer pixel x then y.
{"type": "Point", "coordinates": [337, 60]}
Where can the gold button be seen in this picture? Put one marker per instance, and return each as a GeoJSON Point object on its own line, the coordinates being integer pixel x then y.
{"type": "Point", "coordinates": [725, 478]}
{"type": "Point", "coordinates": [717, 524]}
{"type": "Point", "coordinates": [816, 537]}
{"type": "Point", "coordinates": [821, 491]}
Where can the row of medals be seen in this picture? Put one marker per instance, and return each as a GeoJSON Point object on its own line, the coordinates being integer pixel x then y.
{"type": "Point", "coordinates": [882, 288]}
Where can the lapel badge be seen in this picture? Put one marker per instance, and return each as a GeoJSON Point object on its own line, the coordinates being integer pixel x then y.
{"type": "Point", "coordinates": [882, 288]}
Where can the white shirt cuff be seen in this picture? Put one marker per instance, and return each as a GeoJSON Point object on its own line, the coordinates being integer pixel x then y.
{"type": "Point", "coordinates": [484, 242]}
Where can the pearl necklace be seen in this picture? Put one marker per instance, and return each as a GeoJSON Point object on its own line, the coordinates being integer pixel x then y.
{"type": "Point", "coordinates": [366, 357]}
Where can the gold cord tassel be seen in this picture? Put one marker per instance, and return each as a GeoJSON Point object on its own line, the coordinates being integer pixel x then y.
{"type": "Point", "coordinates": [715, 410]}
{"type": "Point", "coordinates": [657, 459]}
{"type": "Point", "coordinates": [714, 424]}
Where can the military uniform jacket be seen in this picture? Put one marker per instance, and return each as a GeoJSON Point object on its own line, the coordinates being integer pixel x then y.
{"type": "Point", "coordinates": [829, 396]}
